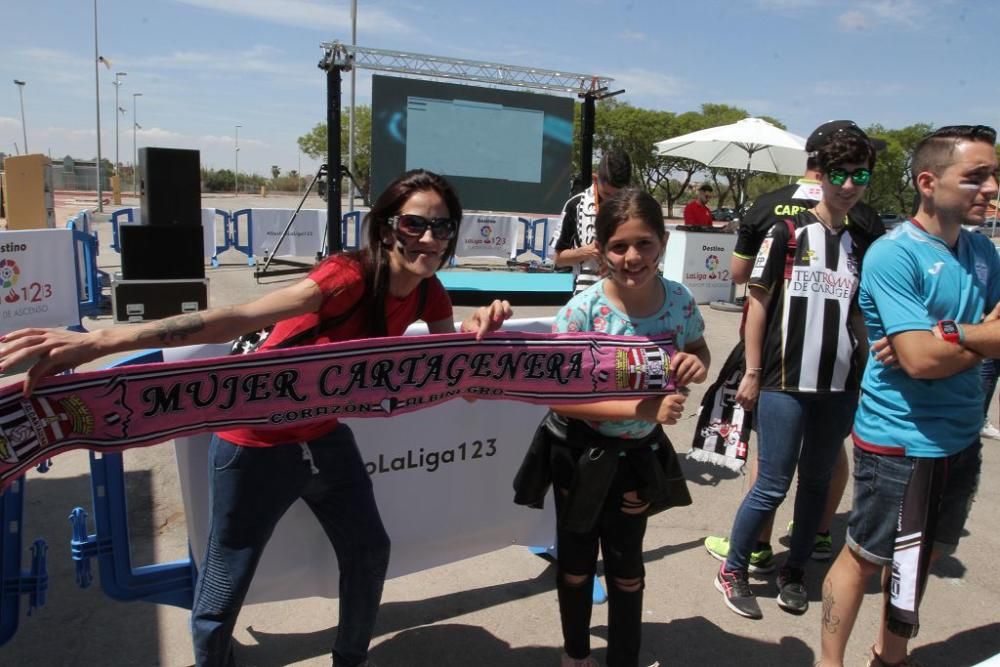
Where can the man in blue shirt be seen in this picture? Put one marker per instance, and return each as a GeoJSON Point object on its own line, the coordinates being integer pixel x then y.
{"type": "Point", "coordinates": [926, 287]}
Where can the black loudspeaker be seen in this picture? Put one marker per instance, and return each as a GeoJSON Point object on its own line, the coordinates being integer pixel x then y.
{"type": "Point", "coordinates": [170, 187]}
{"type": "Point", "coordinates": [150, 252]}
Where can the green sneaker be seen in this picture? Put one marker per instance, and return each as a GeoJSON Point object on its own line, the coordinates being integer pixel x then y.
{"type": "Point", "coordinates": [822, 547]}
{"type": "Point", "coordinates": [822, 544]}
{"type": "Point", "coordinates": [761, 561]}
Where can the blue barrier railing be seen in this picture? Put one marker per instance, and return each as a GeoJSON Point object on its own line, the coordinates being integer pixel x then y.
{"type": "Point", "coordinates": [350, 232]}
{"type": "Point", "coordinates": [245, 248]}
{"type": "Point", "coordinates": [13, 582]}
{"type": "Point", "coordinates": [162, 583]}
{"type": "Point", "coordinates": [119, 217]}
{"type": "Point", "coordinates": [128, 216]}
{"type": "Point", "coordinates": [89, 277]}
{"type": "Point", "coordinates": [533, 241]}
{"type": "Point", "coordinates": [80, 222]}
{"type": "Point", "coordinates": [354, 219]}
{"type": "Point", "coordinates": [227, 233]}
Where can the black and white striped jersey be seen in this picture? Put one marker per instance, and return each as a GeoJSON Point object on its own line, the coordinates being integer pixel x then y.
{"type": "Point", "coordinates": [579, 214]}
{"type": "Point", "coordinates": [809, 344]}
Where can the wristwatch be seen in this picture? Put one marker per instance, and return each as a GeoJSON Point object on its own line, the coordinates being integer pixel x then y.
{"type": "Point", "coordinates": [951, 331]}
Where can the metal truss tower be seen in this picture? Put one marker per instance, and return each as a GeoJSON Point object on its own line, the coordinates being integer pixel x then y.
{"type": "Point", "coordinates": [339, 57]}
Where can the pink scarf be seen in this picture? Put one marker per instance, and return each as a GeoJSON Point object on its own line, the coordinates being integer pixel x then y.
{"type": "Point", "coordinates": [133, 406]}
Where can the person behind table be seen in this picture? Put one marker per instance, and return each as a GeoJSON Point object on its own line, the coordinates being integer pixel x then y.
{"type": "Point", "coordinates": [576, 247]}
{"type": "Point", "coordinates": [257, 474]}
{"type": "Point", "coordinates": [926, 285]}
{"type": "Point", "coordinates": [697, 213]}
{"type": "Point", "coordinates": [633, 299]}
{"type": "Point", "coordinates": [772, 207]}
{"type": "Point", "coordinates": [802, 368]}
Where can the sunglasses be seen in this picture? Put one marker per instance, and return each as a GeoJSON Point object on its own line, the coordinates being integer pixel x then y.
{"type": "Point", "coordinates": [838, 176]}
{"type": "Point", "coordinates": [971, 132]}
{"type": "Point", "coordinates": [442, 229]}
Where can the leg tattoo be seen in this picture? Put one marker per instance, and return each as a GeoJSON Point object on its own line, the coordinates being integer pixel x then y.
{"type": "Point", "coordinates": [831, 621]}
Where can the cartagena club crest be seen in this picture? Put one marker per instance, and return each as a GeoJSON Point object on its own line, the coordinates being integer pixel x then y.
{"type": "Point", "coordinates": [641, 368]}
{"type": "Point", "coordinates": [33, 424]}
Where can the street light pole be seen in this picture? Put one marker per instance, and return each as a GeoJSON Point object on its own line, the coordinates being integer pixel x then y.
{"type": "Point", "coordinates": [97, 94]}
{"type": "Point", "coordinates": [236, 174]}
{"type": "Point", "coordinates": [117, 84]}
{"type": "Point", "coordinates": [350, 130]}
{"type": "Point", "coordinates": [24, 129]}
{"type": "Point", "coordinates": [135, 152]}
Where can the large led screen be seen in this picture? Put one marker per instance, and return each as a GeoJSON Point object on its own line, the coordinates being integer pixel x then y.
{"type": "Point", "coordinates": [502, 150]}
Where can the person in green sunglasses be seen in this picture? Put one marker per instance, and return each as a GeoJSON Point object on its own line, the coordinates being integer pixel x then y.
{"type": "Point", "coordinates": [803, 356]}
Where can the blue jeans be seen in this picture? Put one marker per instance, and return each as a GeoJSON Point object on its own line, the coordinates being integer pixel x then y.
{"type": "Point", "coordinates": [800, 429]}
{"type": "Point", "coordinates": [250, 490]}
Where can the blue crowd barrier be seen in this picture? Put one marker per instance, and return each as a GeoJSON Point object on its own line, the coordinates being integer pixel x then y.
{"type": "Point", "coordinates": [90, 279]}
{"type": "Point", "coordinates": [121, 216]}
{"type": "Point", "coordinates": [350, 232]}
{"type": "Point", "coordinates": [127, 216]}
{"type": "Point", "coordinates": [245, 248]}
{"type": "Point", "coordinates": [354, 218]}
{"type": "Point", "coordinates": [169, 583]}
{"type": "Point", "coordinates": [530, 238]}
{"type": "Point", "coordinates": [13, 581]}
{"type": "Point", "coordinates": [227, 236]}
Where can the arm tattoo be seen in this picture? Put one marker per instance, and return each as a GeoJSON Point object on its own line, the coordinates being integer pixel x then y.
{"type": "Point", "coordinates": [831, 621]}
{"type": "Point", "coordinates": [176, 329]}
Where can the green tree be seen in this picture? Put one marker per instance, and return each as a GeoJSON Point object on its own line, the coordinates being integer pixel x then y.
{"type": "Point", "coordinates": [891, 188]}
{"type": "Point", "coordinates": [275, 172]}
{"type": "Point", "coordinates": [218, 180]}
{"type": "Point", "coordinates": [313, 144]}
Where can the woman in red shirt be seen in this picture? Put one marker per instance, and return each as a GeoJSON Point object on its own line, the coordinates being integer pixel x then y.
{"type": "Point", "coordinates": [256, 474]}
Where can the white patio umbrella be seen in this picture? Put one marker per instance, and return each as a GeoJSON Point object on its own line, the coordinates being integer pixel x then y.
{"type": "Point", "coordinates": [751, 144]}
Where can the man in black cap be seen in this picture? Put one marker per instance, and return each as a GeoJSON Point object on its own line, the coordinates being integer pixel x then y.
{"type": "Point", "coordinates": [770, 208]}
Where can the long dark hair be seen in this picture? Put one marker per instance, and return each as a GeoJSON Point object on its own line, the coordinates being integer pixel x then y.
{"type": "Point", "coordinates": [374, 258]}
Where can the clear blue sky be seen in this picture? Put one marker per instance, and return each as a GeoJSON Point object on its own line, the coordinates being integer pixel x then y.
{"type": "Point", "coordinates": [205, 66]}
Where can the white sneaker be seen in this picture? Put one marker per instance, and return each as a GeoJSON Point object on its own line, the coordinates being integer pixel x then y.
{"type": "Point", "coordinates": [990, 431]}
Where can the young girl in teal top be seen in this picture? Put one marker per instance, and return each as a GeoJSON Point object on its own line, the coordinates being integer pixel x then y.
{"type": "Point", "coordinates": [632, 300]}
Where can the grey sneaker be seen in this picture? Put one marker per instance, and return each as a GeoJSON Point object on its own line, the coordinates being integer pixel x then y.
{"type": "Point", "coordinates": [736, 593]}
{"type": "Point", "coordinates": [792, 594]}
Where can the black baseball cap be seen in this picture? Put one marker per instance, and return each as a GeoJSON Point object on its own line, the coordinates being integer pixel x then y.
{"type": "Point", "coordinates": [824, 132]}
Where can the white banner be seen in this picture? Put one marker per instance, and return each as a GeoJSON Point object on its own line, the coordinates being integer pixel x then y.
{"type": "Point", "coordinates": [443, 480]}
{"type": "Point", "coordinates": [487, 236]}
{"type": "Point", "coordinates": [304, 238]}
{"type": "Point", "coordinates": [38, 283]}
{"type": "Point", "coordinates": [701, 261]}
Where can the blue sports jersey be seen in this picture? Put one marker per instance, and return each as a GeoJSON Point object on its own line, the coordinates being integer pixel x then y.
{"type": "Point", "coordinates": [910, 281]}
{"type": "Point", "coordinates": [590, 310]}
